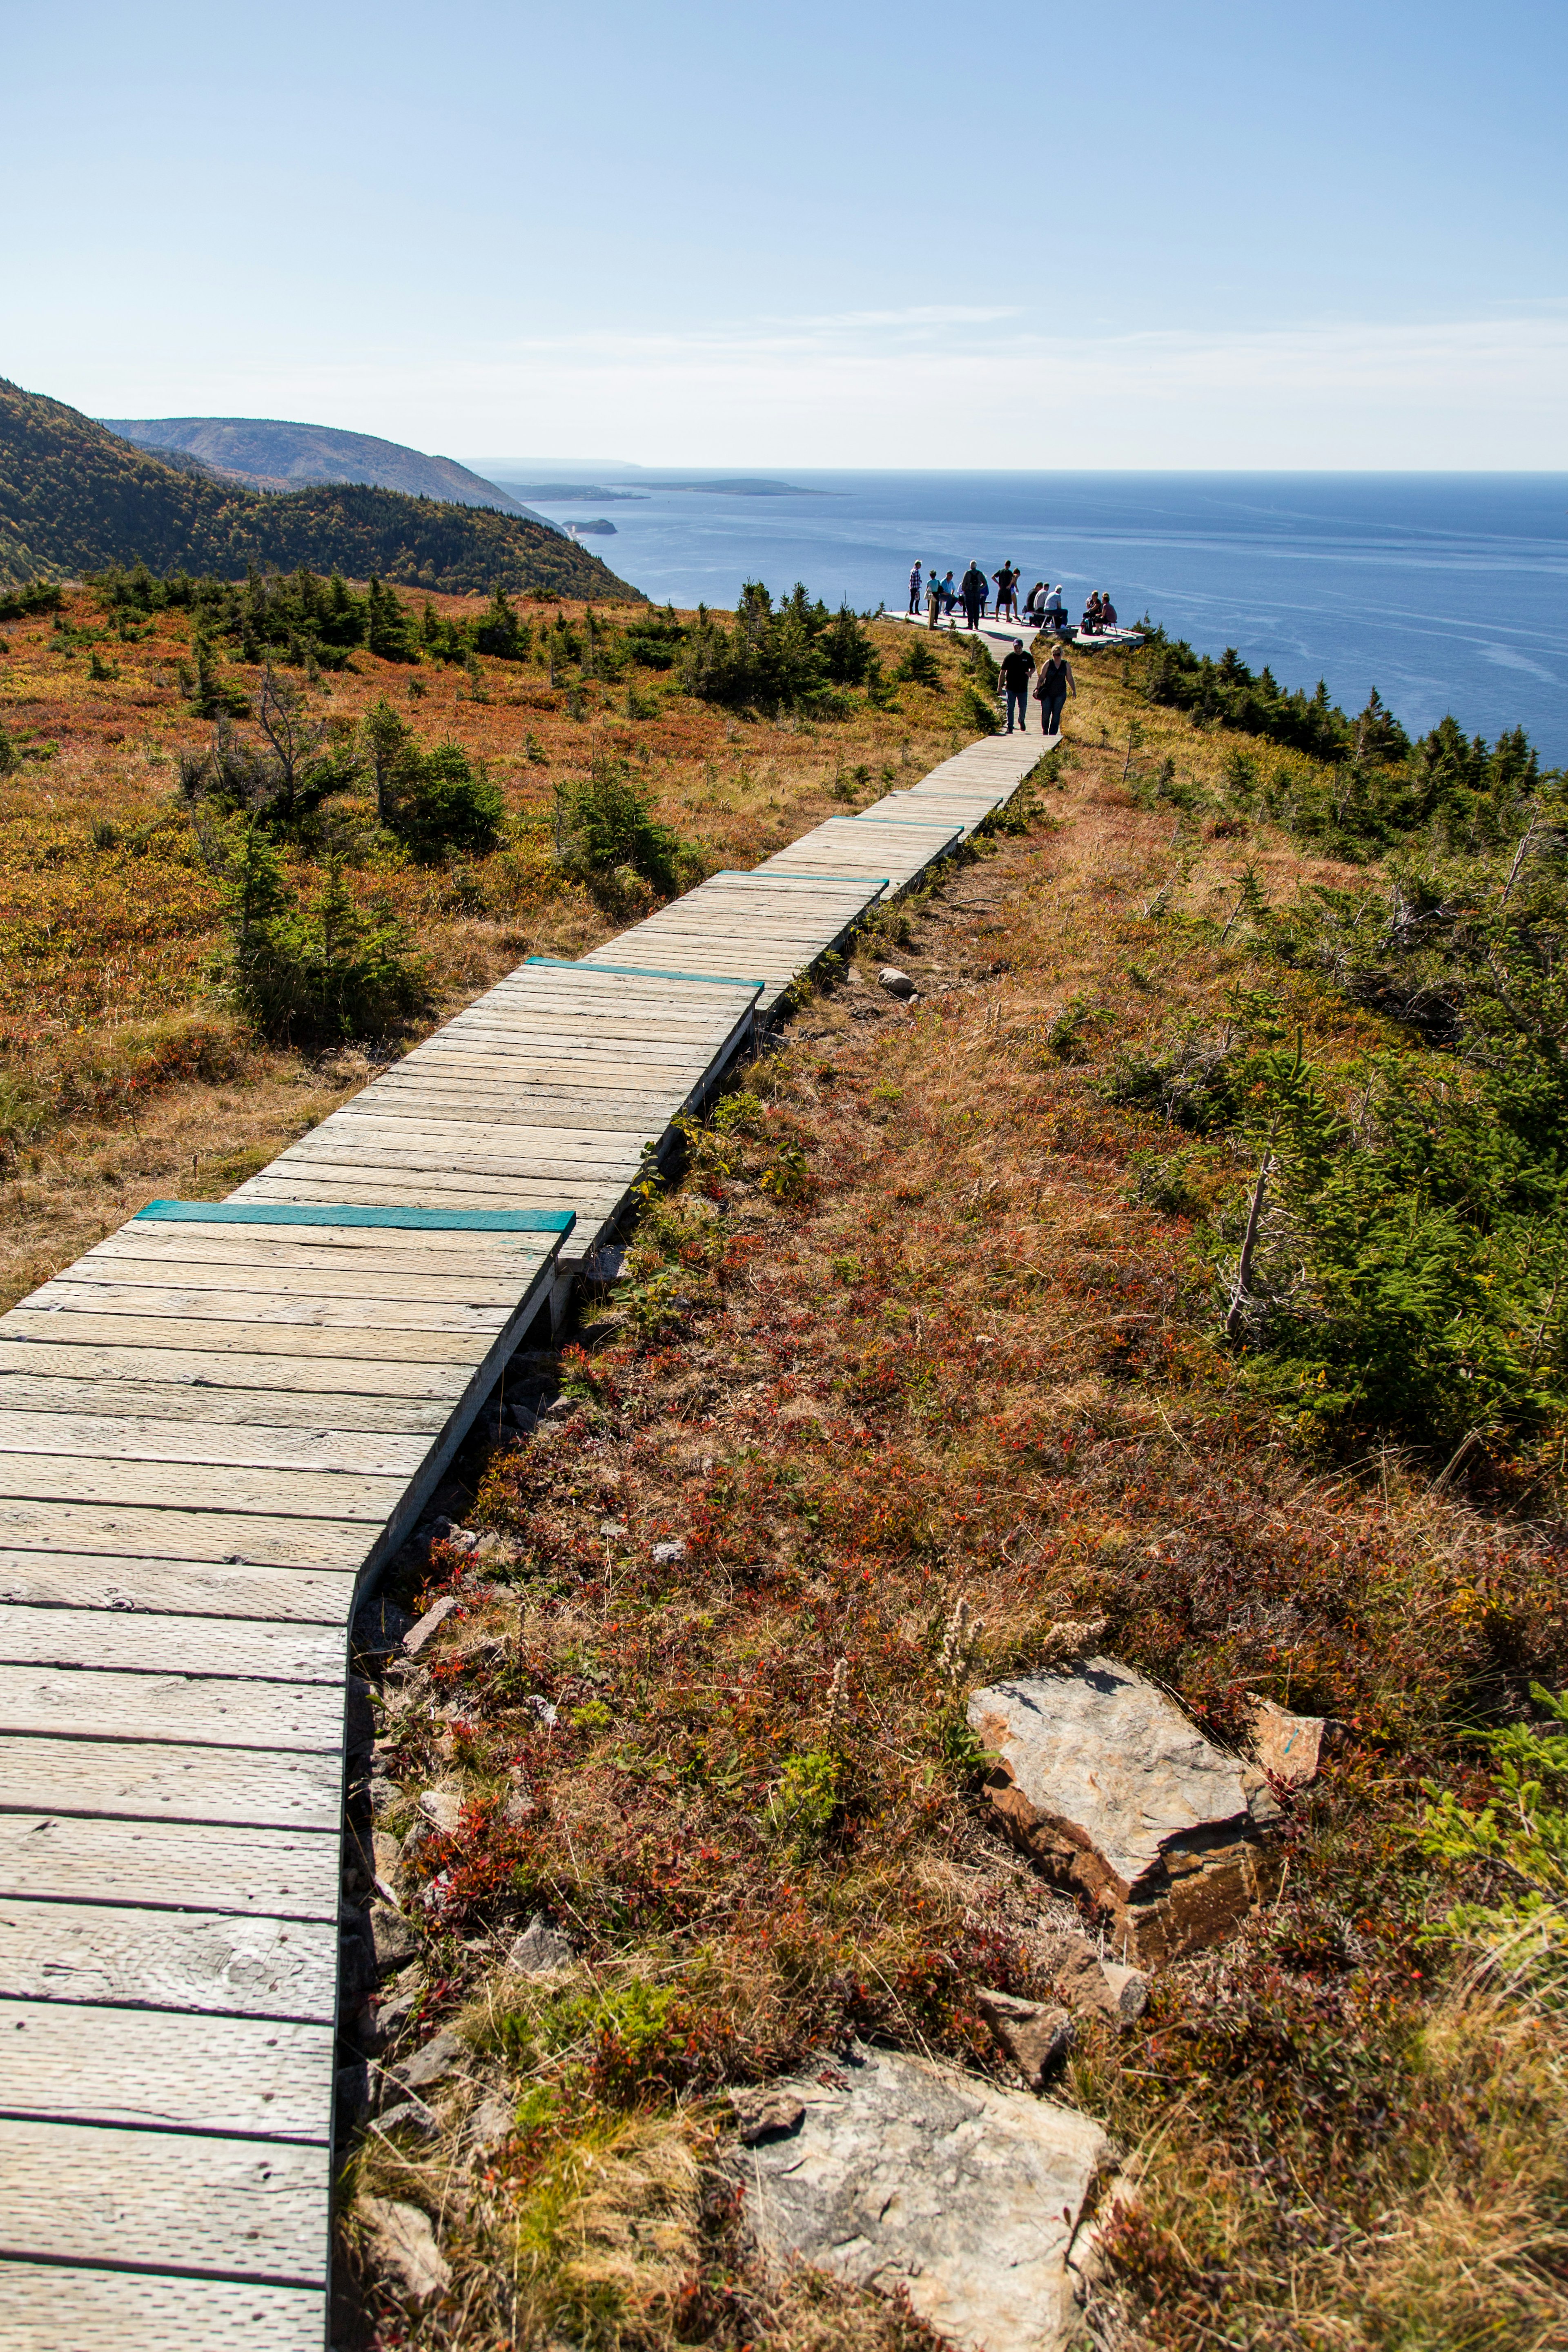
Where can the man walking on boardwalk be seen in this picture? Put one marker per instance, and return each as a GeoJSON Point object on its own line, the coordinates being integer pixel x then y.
{"type": "Point", "coordinates": [1056, 683]}
{"type": "Point", "coordinates": [915, 590]}
{"type": "Point", "coordinates": [971, 589]}
{"type": "Point", "coordinates": [1017, 669]}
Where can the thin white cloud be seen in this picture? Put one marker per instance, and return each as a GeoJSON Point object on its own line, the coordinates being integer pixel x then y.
{"type": "Point", "coordinates": [951, 386]}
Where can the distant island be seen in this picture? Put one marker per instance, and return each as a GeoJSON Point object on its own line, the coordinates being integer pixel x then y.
{"type": "Point", "coordinates": [736, 486]}
{"type": "Point", "coordinates": [599, 527]}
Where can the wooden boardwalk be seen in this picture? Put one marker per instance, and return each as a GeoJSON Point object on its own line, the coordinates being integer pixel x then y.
{"type": "Point", "coordinates": [215, 1428]}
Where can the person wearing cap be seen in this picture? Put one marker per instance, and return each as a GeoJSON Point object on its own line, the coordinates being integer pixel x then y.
{"type": "Point", "coordinates": [1054, 683]}
{"type": "Point", "coordinates": [1017, 669]}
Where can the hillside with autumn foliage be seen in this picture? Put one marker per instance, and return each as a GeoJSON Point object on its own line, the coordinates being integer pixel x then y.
{"type": "Point", "coordinates": [76, 499]}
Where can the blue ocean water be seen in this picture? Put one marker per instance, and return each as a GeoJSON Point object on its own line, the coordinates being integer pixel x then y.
{"type": "Point", "coordinates": [1447, 591]}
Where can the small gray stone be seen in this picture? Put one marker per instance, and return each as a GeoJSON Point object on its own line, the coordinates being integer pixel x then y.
{"type": "Point", "coordinates": [1035, 2037]}
{"type": "Point", "coordinates": [493, 2120]}
{"type": "Point", "coordinates": [442, 2056]}
{"type": "Point", "coordinates": [896, 982]}
{"type": "Point", "coordinates": [666, 1555]}
{"type": "Point", "coordinates": [409, 2114]}
{"type": "Point", "coordinates": [540, 1950]}
{"type": "Point", "coordinates": [395, 1940]}
{"type": "Point", "coordinates": [765, 2113]}
{"type": "Point", "coordinates": [443, 1808]}
{"type": "Point", "coordinates": [542, 1709]}
{"type": "Point", "coordinates": [417, 1635]}
{"type": "Point", "coordinates": [406, 2245]}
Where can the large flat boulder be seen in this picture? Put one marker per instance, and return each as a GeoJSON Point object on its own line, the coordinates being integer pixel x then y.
{"type": "Point", "coordinates": [1115, 1792]}
{"type": "Point", "coordinates": [890, 2173]}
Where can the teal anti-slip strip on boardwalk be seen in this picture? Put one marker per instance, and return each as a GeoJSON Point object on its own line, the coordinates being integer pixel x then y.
{"type": "Point", "coordinates": [647, 972]}
{"type": "Point", "coordinates": [422, 1221]}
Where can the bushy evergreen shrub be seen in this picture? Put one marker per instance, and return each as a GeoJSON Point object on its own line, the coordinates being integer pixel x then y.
{"type": "Point", "coordinates": [310, 976]}
{"type": "Point", "coordinates": [603, 827]}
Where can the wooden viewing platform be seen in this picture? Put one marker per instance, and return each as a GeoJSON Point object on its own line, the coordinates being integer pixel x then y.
{"type": "Point", "coordinates": [215, 1428]}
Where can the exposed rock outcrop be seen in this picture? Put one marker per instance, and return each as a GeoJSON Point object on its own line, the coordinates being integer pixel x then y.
{"type": "Point", "coordinates": [900, 2174]}
{"type": "Point", "coordinates": [1114, 1791]}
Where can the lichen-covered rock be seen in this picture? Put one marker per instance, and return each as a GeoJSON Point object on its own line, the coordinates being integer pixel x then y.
{"type": "Point", "coordinates": [900, 2174]}
{"type": "Point", "coordinates": [1113, 1791]}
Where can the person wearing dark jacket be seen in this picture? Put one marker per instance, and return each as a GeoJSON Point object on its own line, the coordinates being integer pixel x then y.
{"type": "Point", "coordinates": [1017, 669]}
{"type": "Point", "coordinates": [1054, 683]}
{"type": "Point", "coordinates": [971, 589]}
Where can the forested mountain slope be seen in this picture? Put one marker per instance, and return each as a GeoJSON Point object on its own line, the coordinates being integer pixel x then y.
{"type": "Point", "coordinates": [75, 497]}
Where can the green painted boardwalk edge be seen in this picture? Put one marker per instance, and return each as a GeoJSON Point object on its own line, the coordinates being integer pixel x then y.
{"type": "Point", "coordinates": [299, 1212]}
{"type": "Point", "coordinates": [648, 971]}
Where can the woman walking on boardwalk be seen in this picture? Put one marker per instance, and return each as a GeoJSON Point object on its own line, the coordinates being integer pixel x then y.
{"type": "Point", "coordinates": [1056, 683]}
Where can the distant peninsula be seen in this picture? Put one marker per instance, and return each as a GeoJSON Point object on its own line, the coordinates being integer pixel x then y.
{"type": "Point", "coordinates": [733, 486]}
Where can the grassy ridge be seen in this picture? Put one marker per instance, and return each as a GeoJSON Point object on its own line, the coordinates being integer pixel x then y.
{"type": "Point", "coordinates": [75, 498]}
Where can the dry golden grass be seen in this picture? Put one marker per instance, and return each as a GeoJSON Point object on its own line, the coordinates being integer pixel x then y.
{"type": "Point", "coordinates": [119, 1075]}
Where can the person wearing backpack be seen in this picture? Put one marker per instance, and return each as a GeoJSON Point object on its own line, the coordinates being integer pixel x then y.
{"type": "Point", "coordinates": [971, 589]}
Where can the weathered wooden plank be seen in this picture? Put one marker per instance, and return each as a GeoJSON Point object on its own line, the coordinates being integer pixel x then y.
{"type": "Point", "coordinates": [171, 1866]}
{"type": "Point", "coordinates": [49, 2306]}
{"type": "Point", "coordinates": [123, 1640]}
{"type": "Point", "coordinates": [369, 1295]}
{"type": "Point", "coordinates": [77, 1291]}
{"type": "Point", "coordinates": [78, 2192]}
{"type": "Point", "coordinates": [257, 1540]}
{"type": "Point", "coordinates": [157, 1438]}
{"type": "Point", "coordinates": [145, 2068]}
{"type": "Point", "coordinates": [181, 1485]}
{"type": "Point", "coordinates": [292, 1386]}
{"type": "Point", "coordinates": [187, 1588]}
{"type": "Point", "coordinates": [153, 1780]}
{"type": "Point", "coordinates": [379, 1148]}
{"type": "Point", "coordinates": [206, 1961]}
{"type": "Point", "coordinates": [82, 1703]}
{"type": "Point", "coordinates": [317, 1418]}
{"type": "Point", "coordinates": [208, 1333]}
{"type": "Point", "coordinates": [494, 1274]}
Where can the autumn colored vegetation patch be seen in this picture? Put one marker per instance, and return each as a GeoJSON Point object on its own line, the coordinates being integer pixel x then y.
{"type": "Point", "coordinates": [937, 1312]}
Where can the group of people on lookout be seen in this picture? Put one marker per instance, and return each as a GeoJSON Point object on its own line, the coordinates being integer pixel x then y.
{"type": "Point", "coordinates": [1044, 607]}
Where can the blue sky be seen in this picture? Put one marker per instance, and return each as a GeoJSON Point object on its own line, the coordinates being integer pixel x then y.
{"type": "Point", "coordinates": [1216, 235]}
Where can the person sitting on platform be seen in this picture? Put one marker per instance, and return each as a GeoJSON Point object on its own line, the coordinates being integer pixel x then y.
{"type": "Point", "coordinates": [1055, 611]}
{"type": "Point", "coordinates": [1035, 605]}
{"type": "Point", "coordinates": [1106, 611]}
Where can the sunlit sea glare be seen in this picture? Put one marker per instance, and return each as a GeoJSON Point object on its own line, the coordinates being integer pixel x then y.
{"type": "Point", "coordinates": [1447, 591]}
